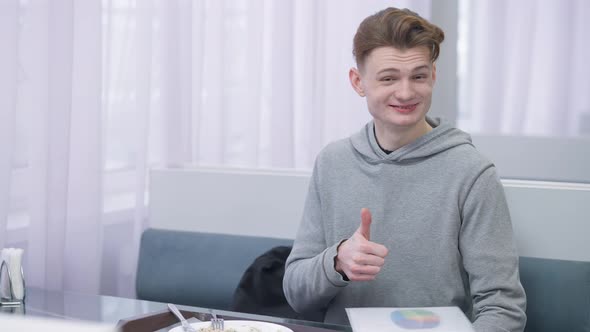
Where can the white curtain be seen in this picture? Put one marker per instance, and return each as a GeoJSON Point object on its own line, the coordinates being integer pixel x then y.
{"type": "Point", "coordinates": [524, 67]}
{"type": "Point", "coordinates": [94, 93]}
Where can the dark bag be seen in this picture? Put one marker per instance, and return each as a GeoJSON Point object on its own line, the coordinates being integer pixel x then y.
{"type": "Point", "coordinates": [260, 290]}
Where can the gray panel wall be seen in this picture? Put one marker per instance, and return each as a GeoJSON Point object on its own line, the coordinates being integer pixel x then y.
{"type": "Point", "coordinates": [445, 14]}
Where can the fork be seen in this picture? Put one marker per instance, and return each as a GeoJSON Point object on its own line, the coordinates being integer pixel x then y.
{"type": "Point", "coordinates": [216, 323]}
{"type": "Point", "coordinates": [185, 325]}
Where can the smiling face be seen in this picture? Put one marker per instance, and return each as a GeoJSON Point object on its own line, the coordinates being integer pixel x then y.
{"type": "Point", "coordinates": [398, 87]}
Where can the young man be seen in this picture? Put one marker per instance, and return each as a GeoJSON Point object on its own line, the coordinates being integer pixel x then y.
{"type": "Point", "coordinates": [434, 228]}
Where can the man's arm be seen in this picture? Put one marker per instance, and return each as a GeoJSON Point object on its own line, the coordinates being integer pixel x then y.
{"type": "Point", "coordinates": [310, 280]}
{"type": "Point", "coordinates": [490, 258]}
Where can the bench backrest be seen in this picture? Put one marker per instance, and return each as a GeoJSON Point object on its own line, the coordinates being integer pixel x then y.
{"type": "Point", "coordinates": [558, 294]}
{"type": "Point", "coordinates": [193, 268]}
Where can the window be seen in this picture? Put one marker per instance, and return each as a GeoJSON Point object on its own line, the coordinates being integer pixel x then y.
{"type": "Point", "coordinates": [523, 80]}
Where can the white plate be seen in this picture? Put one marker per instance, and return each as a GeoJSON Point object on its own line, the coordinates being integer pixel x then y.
{"type": "Point", "coordinates": [238, 326]}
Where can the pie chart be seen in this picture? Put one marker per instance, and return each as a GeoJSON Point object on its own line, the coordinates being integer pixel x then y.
{"type": "Point", "coordinates": [415, 319]}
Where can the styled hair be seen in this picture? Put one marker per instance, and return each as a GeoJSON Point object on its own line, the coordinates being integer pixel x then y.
{"type": "Point", "coordinates": [399, 28]}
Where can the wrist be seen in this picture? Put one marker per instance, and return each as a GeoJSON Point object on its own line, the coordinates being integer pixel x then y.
{"type": "Point", "coordinates": [337, 262]}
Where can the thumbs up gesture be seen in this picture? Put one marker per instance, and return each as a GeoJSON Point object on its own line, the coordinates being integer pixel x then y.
{"type": "Point", "coordinates": [359, 258]}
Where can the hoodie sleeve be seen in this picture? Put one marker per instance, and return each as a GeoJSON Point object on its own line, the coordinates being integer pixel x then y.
{"type": "Point", "coordinates": [490, 258]}
{"type": "Point", "coordinates": [310, 280]}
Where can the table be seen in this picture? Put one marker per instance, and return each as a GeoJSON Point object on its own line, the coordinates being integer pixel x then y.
{"type": "Point", "coordinates": [112, 310]}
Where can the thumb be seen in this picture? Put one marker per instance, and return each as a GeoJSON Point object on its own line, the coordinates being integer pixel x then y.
{"type": "Point", "coordinates": [365, 227]}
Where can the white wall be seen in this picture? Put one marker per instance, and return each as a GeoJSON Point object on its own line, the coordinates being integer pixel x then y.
{"type": "Point", "coordinates": [247, 202]}
{"type": "Point", "coordinates": [550, 220]}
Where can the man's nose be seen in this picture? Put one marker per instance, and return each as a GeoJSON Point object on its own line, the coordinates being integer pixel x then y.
{"type": "Point", "coordinates": [405, 91]}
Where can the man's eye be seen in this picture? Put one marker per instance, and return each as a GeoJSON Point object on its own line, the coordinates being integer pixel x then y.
{"type": "Point", "coordinates": [420, 77]}
{"type": "Point", "coordinates": [388, 79]}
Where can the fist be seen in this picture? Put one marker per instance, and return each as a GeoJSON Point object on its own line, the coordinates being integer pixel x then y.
{"type": "Point", "coordinates": [358, 258]}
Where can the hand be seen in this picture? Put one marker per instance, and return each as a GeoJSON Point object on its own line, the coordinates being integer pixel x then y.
{"type": "Point", "coordinates": [359, 258]}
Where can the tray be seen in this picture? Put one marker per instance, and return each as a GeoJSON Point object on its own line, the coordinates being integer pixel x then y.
{"type": "Point", "coordinates": [165, 320]}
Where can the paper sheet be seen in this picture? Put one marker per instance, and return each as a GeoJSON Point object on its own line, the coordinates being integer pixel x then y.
{"type": "Point", "coordinates": [431, 319]}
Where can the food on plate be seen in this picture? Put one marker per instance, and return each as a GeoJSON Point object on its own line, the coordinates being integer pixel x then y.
{"type": "Point", "coordinates": [246, 329]}
{"type": "Point", "coordinates": [210, 329]}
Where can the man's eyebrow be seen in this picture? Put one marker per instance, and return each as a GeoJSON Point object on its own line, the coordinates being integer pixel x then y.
{"type": "Point", "coordinates": [420, 68]}
{"type": "Point", "coordinates": [395, 70]}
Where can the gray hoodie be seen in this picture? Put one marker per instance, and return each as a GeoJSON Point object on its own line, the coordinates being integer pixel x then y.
{"type": "Point", "coordinates": [439, 208]}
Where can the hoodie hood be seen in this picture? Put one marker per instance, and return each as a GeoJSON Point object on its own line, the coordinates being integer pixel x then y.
{"type": "Point", "coordinates": [441, 138]}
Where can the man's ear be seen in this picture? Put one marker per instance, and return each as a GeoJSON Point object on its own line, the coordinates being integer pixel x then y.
{"type": "Point", "coordinates": [355, 80]}
{"type": "Point", "coordinates": [433, 72]}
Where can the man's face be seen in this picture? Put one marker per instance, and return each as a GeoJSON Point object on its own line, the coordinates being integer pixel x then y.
{"type": "Point", "coordinates": [398, 86]}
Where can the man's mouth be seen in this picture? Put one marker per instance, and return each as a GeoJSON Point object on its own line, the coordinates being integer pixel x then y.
{"type": "Point", "coordinates": [405, 108]}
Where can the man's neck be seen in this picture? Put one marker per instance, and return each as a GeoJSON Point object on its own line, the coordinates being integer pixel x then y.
{"type": "Point", "coordinates": [392, 139]}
